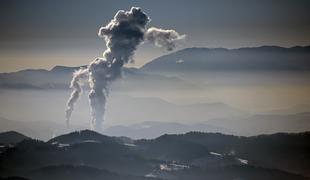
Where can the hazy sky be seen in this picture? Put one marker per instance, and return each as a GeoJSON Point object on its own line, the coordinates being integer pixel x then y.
{"type": "Point", "coordinates": [42, 34]}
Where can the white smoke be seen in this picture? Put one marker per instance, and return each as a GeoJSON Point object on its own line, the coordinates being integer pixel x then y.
{"type": "Point", "coordinates": [163, 38]}
{"type": "Point", "coordinates": [122, 36]}
{"type": "Point", "coordinates": [76, 84]}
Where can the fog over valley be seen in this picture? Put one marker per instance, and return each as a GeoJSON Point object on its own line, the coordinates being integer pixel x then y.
{"type": "Point", "coordinates": [231, 101]}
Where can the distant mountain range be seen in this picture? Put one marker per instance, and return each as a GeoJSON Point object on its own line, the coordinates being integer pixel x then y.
{"type": "Point", "coordinates": [34, 129]}
{"type": "Point", "coordinates": [265, 123]}
{"type": "Point", "coordinates": [156, 73]}
{"type": "Point", "coordinates": [168, 118]}
{"type": "Point", "coordinates": [59, 77]}
{"type": "Point", "coordinates": [85, 155]}
{"type": "Point", "coordinates": [153, 129]}
{"type": "Point", "coordinates": [265, 58]}
{"type": "Point", "coordinates": [238, 125]}
{"type": "Point", "coordinates": [290, 110]}
{"type": "Point", "coordinates": [139, 109]}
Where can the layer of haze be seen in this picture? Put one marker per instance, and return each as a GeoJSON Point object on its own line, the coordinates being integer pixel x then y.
{"type": "Point", "coordinates": [238, 103]}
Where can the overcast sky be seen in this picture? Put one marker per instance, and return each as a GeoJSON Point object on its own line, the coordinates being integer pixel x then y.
{"type": "Point", "coordinates": [42, 34]}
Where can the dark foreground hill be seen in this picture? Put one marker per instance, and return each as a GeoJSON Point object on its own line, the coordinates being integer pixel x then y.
{"type": "Point", "coordinates": [11, 137]}
{"type": "Point", "coordinates": [89, 155]}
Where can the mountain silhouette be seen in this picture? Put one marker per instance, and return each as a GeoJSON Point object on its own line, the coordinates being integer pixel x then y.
{"type": "Point", "coordinates": [264, 58]}
{"type": "Point", "coordinates": [84, 155]}
{"type": "Point", "coordinates": [11, 137]}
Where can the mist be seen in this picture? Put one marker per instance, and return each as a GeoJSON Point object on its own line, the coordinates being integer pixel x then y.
{"type": "Point", "coordinates": [219, 95]}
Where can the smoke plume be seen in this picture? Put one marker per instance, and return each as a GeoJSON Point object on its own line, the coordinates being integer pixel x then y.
{"type": "Point", "coordinates": [76, 84]}
{"type": "Point", "coordinates": [122, 36]}
{"type": "Point", "coordinates": [163, 38]}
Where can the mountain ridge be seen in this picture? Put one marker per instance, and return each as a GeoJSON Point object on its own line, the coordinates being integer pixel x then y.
{"type": "Point", "coordinates": [192, 155]}
{"type": "Point", "coordinates": [11, 137]}
{"type": "Point", "coordinates": [242, 59]}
